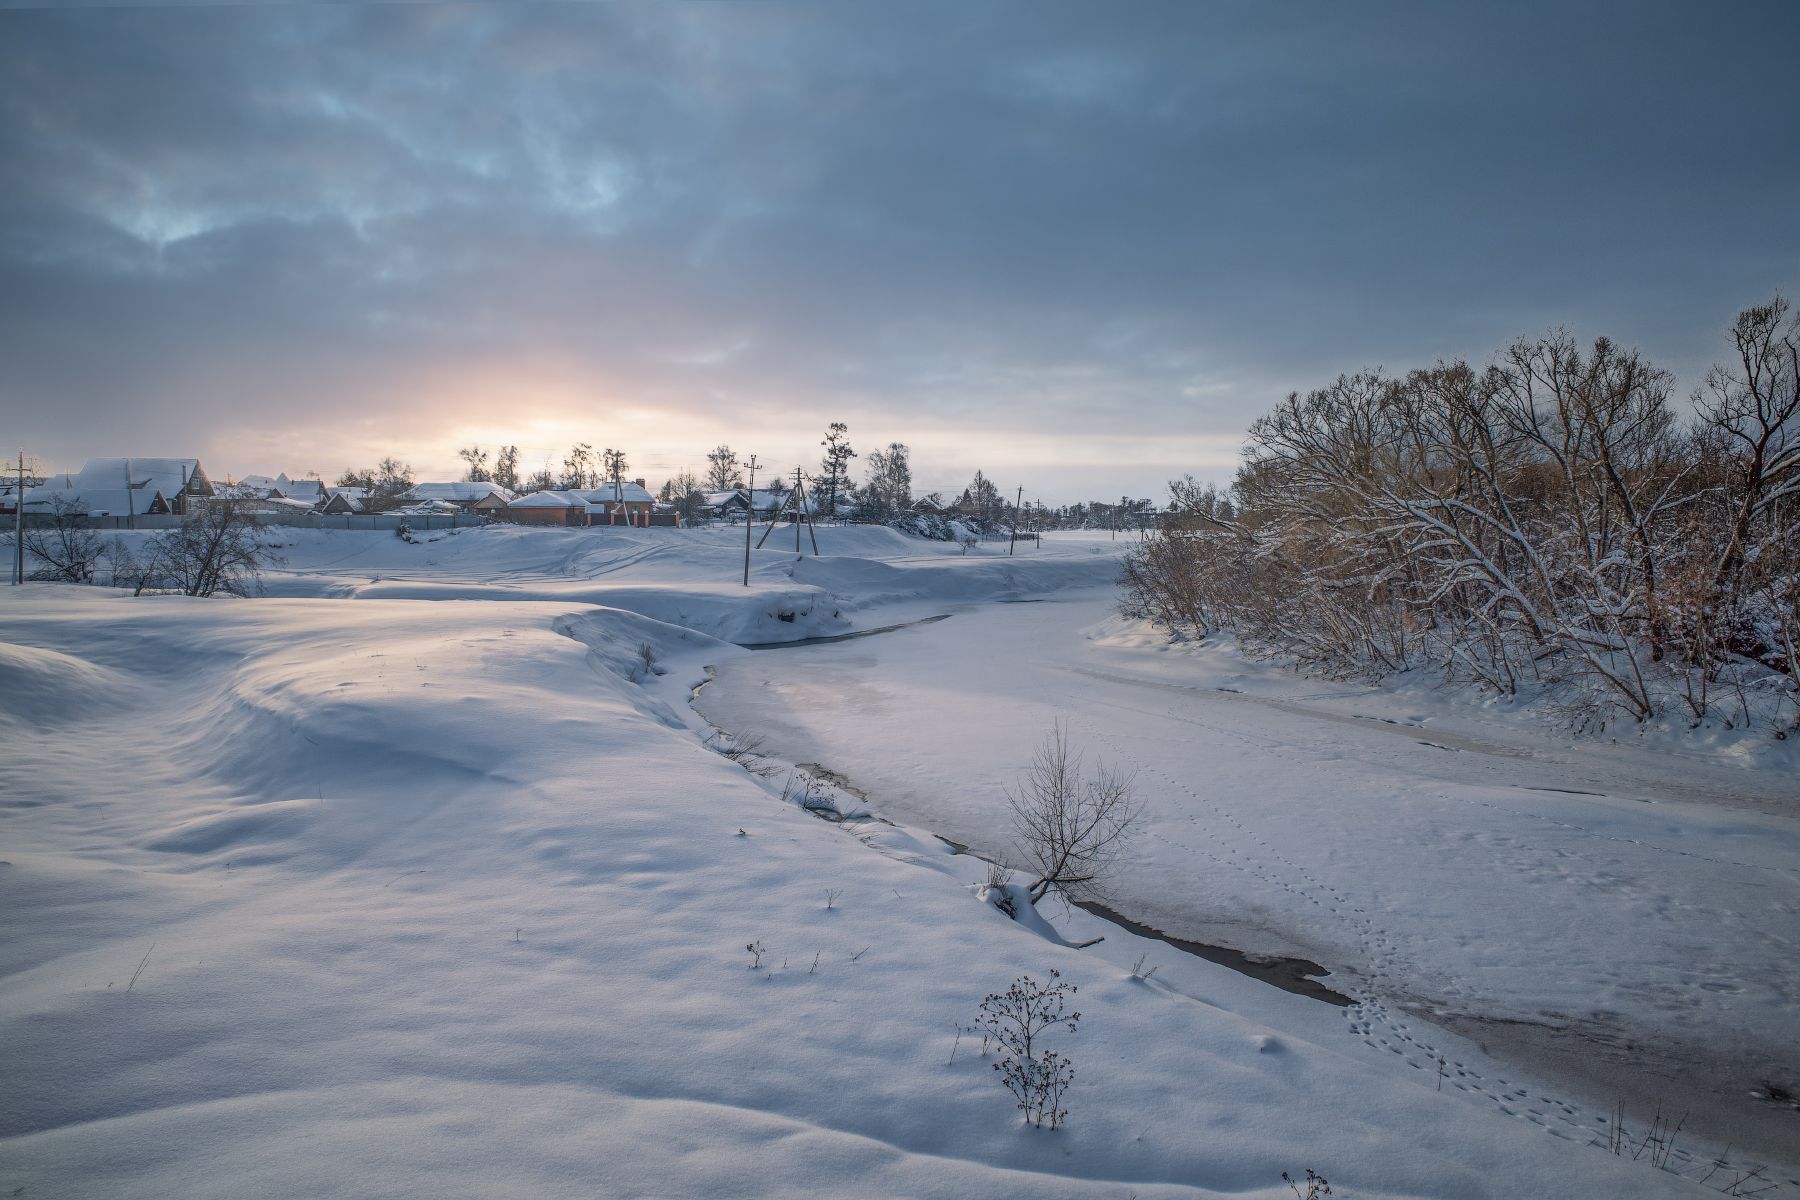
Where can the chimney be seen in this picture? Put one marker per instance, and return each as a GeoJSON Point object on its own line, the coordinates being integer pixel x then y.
{"type": "Point", "coordinates": [640, 483]}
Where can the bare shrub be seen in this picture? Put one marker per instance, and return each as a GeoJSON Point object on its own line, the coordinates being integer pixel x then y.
{"type": "Point", "coordinates": [1316, 1185]}
{"type": "Point", "coordinates": [812, 794]}
{"type": "Point", "coordinates": [216, 550]}
{"type": "Point", "coordinates": [1549, 521]}
{"type": "Point", "coordinates": [1016, 1020]}
{"type": "Point", "coordinates": [65, 548]}
{"type": "Point", "coordinates": [1070, 827]}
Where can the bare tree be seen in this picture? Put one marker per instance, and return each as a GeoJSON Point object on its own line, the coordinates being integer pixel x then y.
{"type": "Point", "coordinates": [722, 470]}
{"type": "Point", "coordinates": [66, 548]}
{"type": "Point", "coordinates": [888, 488]}
{"type": "Point", "coordinates": [615, 466]}
{"type": "Point", "coordinates": [683, 491]}
{"type": "Point", "coordinates": [383, 483]}
{"type": "Point", "coordinates": [579, 470]}
{"type": "Point", "coordinates": [506, 468]}
{"type": "Point", "coordinates": [477, 460]}
{"type": "Point", "coordinates": [214, 551]}
{"type": "Point", "coordinates": [1071, 827]}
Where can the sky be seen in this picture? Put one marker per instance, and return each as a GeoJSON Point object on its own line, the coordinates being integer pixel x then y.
{"type": "Point", "coordinates": [1078, 246]}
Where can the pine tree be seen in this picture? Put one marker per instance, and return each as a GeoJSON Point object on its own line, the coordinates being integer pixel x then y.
{"type": "Point", "coordinates": [835, 466]}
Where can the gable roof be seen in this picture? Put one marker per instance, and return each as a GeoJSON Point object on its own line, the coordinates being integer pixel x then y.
{"type": "Point", "coordinates": [122, 486]}
{"type": "Point", "coordinates": [298, 489]}
{"type": "Point", "coordinates": [629, 492]}
{"type": "Point", "coordinates": [549, 500]}
{"type": "Point", "coordinates": [460, 490]}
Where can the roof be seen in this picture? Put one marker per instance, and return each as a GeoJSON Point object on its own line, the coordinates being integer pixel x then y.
{"type": "Point", "coordinates": [281, 503]}
{"type": "Point", "coordinates": [341, 500]}
{"type": "Point", "coordinates": [120, 485]}
{"type": "Point", "coordinates": [549, 500]}
{"type": "Point", "coordinates": [355, 493]}
{"type": "Point", "coordinates": [764, 501]}
{"type": "Point", "coordinates": [461, 490]}
{"type": "Point", "coordinates": [299, 489]}
{"type": "Point", "coordinates": [629, 491]}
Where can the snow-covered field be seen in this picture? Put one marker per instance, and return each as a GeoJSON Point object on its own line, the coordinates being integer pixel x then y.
{"type": "Point", "coordinates": [413, 879]}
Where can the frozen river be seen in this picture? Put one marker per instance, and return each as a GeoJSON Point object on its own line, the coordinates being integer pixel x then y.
{"type": "Point", "coordinates": [1614, 921]}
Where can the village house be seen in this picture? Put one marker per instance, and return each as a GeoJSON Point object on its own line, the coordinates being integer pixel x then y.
{"type": "Point", "coordinates": [736, 502]}
{"type": "Point", "coordinates": [482, 497]}
{"type": "Point", "coordinates": [123, 487]}
{"type": "Point", "coordinates": [933, 505]}
{"type": "Point", "coordinates": [547, 508]}
{"type": "Point", "coordinates": [627, 502]}
{"type": "Point", "coordinates": [344, 501]}
{"type": "Point", "coordinates": [272, 487]}
{"type": "Point", "coordinates": [310, 490]}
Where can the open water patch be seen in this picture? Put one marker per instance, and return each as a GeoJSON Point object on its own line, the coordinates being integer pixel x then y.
{"type": "Point", "coordinates": [1296, 975]}
{"type": "Point", "coordinates": [823, 639]}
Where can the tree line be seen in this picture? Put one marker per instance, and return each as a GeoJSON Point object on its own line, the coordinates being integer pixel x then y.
{"type": "Point", "coordinates": [1553, 520]}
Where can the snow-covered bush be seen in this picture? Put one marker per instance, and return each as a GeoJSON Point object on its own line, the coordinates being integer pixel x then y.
{"type": "Point", "coordinates": [1016, 1020]}
{"type": "Point", "coordinates": [812, 794]}
{"type": "Point", "coordinates": [1549, 522]}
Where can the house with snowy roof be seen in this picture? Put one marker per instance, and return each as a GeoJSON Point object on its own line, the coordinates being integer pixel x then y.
{"type": "Point", "coordinates": [480, 497]}
{"type": "Point", "coordinates": [548, 508]}
{"type": "Point", "coordinates": [736, 502]}
{"type": "Point", "coordinates": [625, 502]}
{"type": "Point", "coordinates": [343, 501]}
{"type": "Point", "coordinates": [123, 487]}
{"type": "Point", "coordinates": [310, 490]}
{"type": "Point", "coordinates": [933, 504]}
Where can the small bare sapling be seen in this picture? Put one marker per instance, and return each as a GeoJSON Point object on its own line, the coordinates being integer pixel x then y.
{"type": "Point", "coordinates": [757, 950]}
{"type": "Point", "coordinates": [1017, 1020]}
{"type": "Point", "coordinates": [1316, 1185]}
{"type": "Point", "coordinates": [1071, 827]}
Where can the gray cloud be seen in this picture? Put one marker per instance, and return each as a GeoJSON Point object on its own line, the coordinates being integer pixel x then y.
{"type": "Point", "coordinates": [1084, 242]}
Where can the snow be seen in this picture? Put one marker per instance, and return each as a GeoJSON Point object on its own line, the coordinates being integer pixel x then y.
{"type": "Point", "coordinates": [116, 485]}
{"type": "Point", "coordinates": [415, 878]}
{"type": "Point", "coordinates": [457, 490]}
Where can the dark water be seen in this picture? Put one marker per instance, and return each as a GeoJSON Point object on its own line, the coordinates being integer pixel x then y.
{"type": "Point", "coordinates": [1296, 975]}
{"type": "Point", "coordinates": [841, 637]}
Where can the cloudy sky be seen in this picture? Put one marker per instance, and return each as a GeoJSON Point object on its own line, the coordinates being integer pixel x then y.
{"type": "Point", "coordinates": [1078, 245]}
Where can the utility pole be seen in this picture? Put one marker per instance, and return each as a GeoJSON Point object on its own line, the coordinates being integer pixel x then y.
{"type": "Point", "coordinates": [799, 498]}
{"type": "Point", "coordinates": [19, 526]}
{"type": "Point", "coordinates": [749, 518]}
{"type": "Point", "coordinates": [1013, 545]}
{"type": "Point", "coordinates": [812, 523]}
